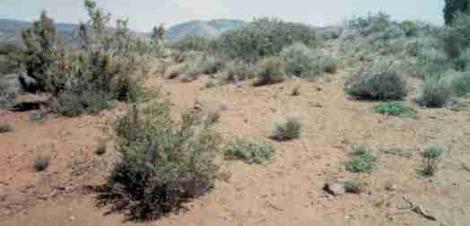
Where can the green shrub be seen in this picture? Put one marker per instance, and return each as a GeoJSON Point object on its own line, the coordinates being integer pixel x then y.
{"type": "Point", "coordinates": [362, 161]}
{"type": "Point", "coordinates": [300, 60]}
{"type": "Point", "coordinates": [5, 128]}
{"type": "Point", "coordinates": [10, 58]}
{"type": "Point", "coordinates": [288, 130]}
{"type": "Point", "coordinates": [435, 93]}
{"type": "Point", "coordinates": [377, 83]}
{"type": "Point", "coordinates": [163, 164]}
{"type": "Point", "coordinates": [7, 99]}
{"type": "Point", "coordinates": [431, 158]}
{"type": "Point", "coordinates": [108, 66]}
{"type": "Point", "coordinates": [41, 163]}
{"type": "Point", "coordinates": [457, 36]}
{"type": "Point", "coordinates": [352, 186]}
{"type": "Point", "coordinates": [239, 70]}
{"type": "Point", "coordinates": [395, 109]}
{"type": "Point", "coordinates": [263, 38]}
{"type": "Point", "coordinates": [373, 23]}
{"type": "Point", "coordinates": [410, 28]}
{"type": "Point", "coordinates": [73, 104]}
{"type": "Point", "coordinates": [461, 83]}
{"type": "Point", "coordinates": [431, 60]}
{"type": "Point", "coordinates": [192, 43]}
{"type": "Point", "coordinates": [249, 151]}
{"type": "Point", "coordinates": [270, 70]}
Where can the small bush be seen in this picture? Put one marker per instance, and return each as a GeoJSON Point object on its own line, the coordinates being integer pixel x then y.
{"type": "Point", "coordinates": [295, 91]}
{"type": "Point", "coordinates": [395, 109]}
{"type": "Point", "coordinates": [41, 163]}
{"type": "Point", "coordinates": [249, 151]}
{"type": "Point", "coordinates": [434, 93]}
{"type": "Point", "coordinates": [239, 70]}
{"type": "Point", "coordinates": [101, 149]}
{"type": "Point", "coordinates": [352, 186]}
{"type": "Point", "coordinates": [431, 158]}
{"type": "Point", "coordinates": [5, 128]}
{"type": "Point", "coordinates": [163, 163]}
{"type": "Point", "coordinates": [377, 83]}
{"type": "Point", "coordinates": [270, 70]}
{"type": "Point", "coordinates": [73, 104]}
{"type": "Point", "coordinates": [362, 161]}
{"type": "Point", "coordinates": [288, 130]}
{"type": "Point", "coordinates": [302, 61]}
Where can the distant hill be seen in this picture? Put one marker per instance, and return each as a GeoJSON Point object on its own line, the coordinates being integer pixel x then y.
{"type": "Point", "coordinates": [10, 30]}
{"type": "Point", "coordinates": [212, 28]}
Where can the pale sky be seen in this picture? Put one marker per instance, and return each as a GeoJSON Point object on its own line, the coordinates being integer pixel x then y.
{"type": "Point", "coordinates": [143, 14]}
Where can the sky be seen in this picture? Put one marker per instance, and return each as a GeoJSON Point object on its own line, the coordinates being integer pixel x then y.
{"type": "Point", "coordinates": [144, 14]}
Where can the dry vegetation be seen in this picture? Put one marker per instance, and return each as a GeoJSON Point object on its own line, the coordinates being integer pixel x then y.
{"type": "Point", "coordinates": [307, 113]}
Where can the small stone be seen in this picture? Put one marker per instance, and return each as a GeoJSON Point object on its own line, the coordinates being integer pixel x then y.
{"type": "Point", "coordinates": [335, 188]}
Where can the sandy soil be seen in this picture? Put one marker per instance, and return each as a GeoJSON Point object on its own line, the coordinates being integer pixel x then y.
{"type": "Point", "coordinates": [287, 191]}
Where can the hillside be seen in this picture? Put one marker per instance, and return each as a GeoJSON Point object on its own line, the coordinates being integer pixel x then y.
{"type": "Point", "coordinates": [211, 28]}
{"type": "Point", "coordinates": [10, 30]}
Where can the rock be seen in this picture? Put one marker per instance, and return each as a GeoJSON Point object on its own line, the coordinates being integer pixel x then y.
{"type": "Point", "coordinates": [28, 83]}
{"type": "Point", "coordinates": [335, 188]}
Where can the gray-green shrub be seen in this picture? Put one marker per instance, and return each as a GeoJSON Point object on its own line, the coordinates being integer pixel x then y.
{"type": "Point", "coordinates": [362, 161]}
{"type": "Point", "coordinates": [239, 70]}
{"type": "Point", "coordinates": [163, 164]}
{"type": "Point", "coordinates": [108, 65]}
{"type": "Point", "coordinates": [461, 83]}
{"type": "Point", "coordinates": [379, 82]}
{"type": "Point", "coordinates": [431, 158]}
{"type": "Point", "coordinates": [41, 163]}
{"type": "Point", "coordinates": [249, 151]}
{"type": "Point", "coordinates": [263, 38]}
{"type": "Point", "coordinates": [287, 130]}
{"type": "Point", "coordinates": [5, 128]}
{"type": "Point", "coordinates": [270, 70]}
{"type": "Point", "coordinates": [395, 109]}
{"type": "Point", "coordinates": [434, 93]}
{"type": "Point", "coordinates": [303, 61]}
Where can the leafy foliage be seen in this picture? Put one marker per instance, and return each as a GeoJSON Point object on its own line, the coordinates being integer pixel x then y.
{"type": "Point", "coordinates": [163, 164]}
{"type": "Point", "coordinates": [362, 161]}
{"type": "Point", "coordinates": [249, 151]}
{"type": "Point", "coordinates": [395, 109]}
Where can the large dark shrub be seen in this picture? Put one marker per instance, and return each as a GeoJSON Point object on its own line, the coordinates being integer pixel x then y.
{"type": "Point", "coordinates": [163, 164]}
{"type": "Point", "coordinates": [377, 83]}
{"type": "Point", "coordinates": [263, 37]}
{"type": "Point", "coordinates": [452, 8]}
